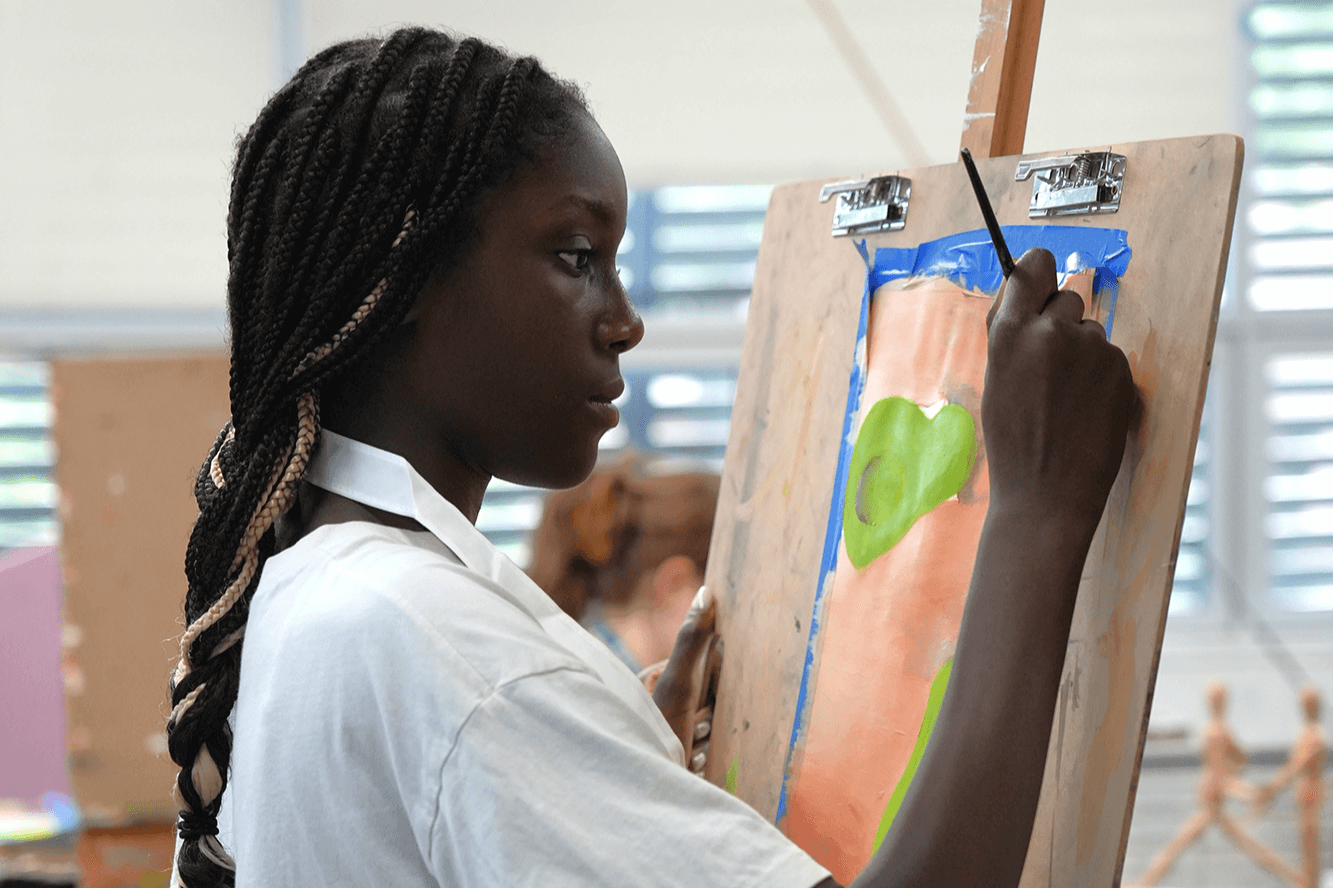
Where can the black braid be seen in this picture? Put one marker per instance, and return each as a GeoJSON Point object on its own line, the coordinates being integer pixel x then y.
{"type": "Point", "coordinates": [322, 186]}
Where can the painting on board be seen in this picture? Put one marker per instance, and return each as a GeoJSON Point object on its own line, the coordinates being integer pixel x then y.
{"type": "Point", "coordinates": [909, 501]}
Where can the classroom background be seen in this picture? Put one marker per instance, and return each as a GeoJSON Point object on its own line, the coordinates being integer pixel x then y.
{"type": "Point", "coordinates": [119, 121]}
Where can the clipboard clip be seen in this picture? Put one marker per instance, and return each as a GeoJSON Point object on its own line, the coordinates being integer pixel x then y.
{"type": "Point", "coordinates": [868, 205]}
{"type": "Point", "coordinates": [1074, 184]}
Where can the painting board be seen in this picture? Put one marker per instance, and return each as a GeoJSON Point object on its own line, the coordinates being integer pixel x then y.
{"type": "Point", "coordinates": [130, 435]}
{"type": "Point", "coordinates": [1177, 207]}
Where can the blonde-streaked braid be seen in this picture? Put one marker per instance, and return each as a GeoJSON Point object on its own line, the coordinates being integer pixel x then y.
{"type": "Point", "coordinates": [278, 498]}
{"type": "Point", "coordinates": [281, 493]}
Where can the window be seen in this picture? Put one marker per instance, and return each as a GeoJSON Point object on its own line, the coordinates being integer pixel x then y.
{"type": "Point", "coordinates": [690, 250]}
{"type": "Point", "coordinates": [27, 493]}
{"type": "Point", "coordinates": [1290, 216]}
{"type": "Point", "coordinates": [1298, 488]}
{"type": "Point", "coordinates": [1280, 335]}
{"type": "Point", "coordinates": [1189, 594]}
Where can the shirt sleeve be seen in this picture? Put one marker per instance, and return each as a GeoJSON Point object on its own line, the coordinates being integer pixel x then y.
{"type": "Point", "coordinates": [554, 782]}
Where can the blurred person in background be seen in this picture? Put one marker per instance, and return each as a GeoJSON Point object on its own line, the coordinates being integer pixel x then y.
{"type": "Point", "coordinates": [624, 552]}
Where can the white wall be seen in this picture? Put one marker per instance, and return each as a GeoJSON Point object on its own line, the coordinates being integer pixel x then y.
{"type": "Point", "coordinates": [753, 90]}
{"type": "Point", "coordinates": [119, 117]}
{"type": "Point", "coordinates": [118, 120]}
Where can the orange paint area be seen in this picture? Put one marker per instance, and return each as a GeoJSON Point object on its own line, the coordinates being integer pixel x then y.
{"type": "Point", "coordinates": [889, 628]}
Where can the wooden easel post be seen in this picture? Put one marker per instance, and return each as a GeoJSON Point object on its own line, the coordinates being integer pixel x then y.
{"type": "Point", "coordinates": [1002, 66]}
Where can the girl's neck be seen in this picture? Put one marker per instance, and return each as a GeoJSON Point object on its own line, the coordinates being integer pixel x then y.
{"type": "Point", "coordinates": [377, 406]}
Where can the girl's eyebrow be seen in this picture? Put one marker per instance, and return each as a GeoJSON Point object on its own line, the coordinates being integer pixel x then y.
{"type": "Point", "coordinates": [603, 211]}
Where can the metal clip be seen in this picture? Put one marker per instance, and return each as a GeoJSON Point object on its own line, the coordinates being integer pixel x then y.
{"type": "Point", "coordinates": [868, 205]}
{"type": "Point", "coordinates": [1074, 184]}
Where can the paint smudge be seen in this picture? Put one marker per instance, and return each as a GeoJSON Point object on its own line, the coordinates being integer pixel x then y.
{"type": "Point", "coordinates": [903, 466]}
{"type": "Point", "coordinates": [733, 776]}
{"type": "Point", "coordinates": [937, 688]}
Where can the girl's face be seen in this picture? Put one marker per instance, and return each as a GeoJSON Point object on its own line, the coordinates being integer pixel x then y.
{"type": "Point", "coordinates": [516, 359]}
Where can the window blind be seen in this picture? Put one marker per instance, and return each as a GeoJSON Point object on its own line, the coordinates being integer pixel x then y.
{"type": "Point", "coordinates": [27, 493]}
{"type": "Point", "coordinates": [1189, 593]}
{"type": "Point", "coordinates": [1298, 489]}
{"type": "Point", "coordinates": [1290, 215]}
{"type": "Point", "coordinates": [1289, 263]}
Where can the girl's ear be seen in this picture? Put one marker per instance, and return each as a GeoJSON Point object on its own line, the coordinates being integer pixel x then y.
{"type": "Point", "coordinates": [596, 520]}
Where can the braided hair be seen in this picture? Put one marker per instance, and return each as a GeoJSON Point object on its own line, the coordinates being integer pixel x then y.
{"type": "Point", "coordinates": [361, 179]}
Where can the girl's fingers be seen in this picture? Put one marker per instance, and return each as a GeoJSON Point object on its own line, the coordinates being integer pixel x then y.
{"type": "Point", "coordinates": [712, 672]}
{"type": "Point", "coordinates": [703, 724]}
{"type": "Point", "coordinates": [697, 630]}
{"type": "Point", "coordinates": [699, 759]}
{"type": "Point", "coordinates": [1024, 295]}
{"type": "Point", "coordinates": [1065, 305]}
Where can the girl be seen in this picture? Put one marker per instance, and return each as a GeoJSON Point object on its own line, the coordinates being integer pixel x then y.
{"type": "Point", "coordinates": [422, 296]}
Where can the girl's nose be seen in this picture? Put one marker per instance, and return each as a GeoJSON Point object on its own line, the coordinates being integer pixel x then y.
{"type": "Point", "coordinates": [623, 329]}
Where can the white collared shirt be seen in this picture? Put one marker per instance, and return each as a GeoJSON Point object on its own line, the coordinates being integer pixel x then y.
{"type": "Point", "coordinates": [413, 711]}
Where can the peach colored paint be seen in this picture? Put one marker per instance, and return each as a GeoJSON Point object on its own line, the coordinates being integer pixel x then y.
{"type": "Point", "coordinates": [889, 628]}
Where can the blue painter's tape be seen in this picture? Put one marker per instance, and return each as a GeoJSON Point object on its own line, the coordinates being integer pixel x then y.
{"type": "Point", "coordinates": [829, 559]}
{"type": "Point", "coordinates": [969, 260]}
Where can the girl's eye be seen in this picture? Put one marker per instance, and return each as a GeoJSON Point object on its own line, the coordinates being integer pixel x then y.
{"type": "Point", "coordinates": [576, 259]}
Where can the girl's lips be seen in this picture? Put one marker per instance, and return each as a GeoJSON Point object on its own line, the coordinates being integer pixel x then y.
{"type": "Point", "coordinates": [609, 392]}
{"type": "Point", "coordinates": [607, 411]}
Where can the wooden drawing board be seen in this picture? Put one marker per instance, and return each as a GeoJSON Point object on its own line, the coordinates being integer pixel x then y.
{"type": "Point", "coordinates": [1178, 203]}
{"type": "Point", "coordinates": [130, 435]}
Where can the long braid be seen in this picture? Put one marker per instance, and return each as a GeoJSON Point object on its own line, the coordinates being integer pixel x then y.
{"type": "Point", "coordinates": [361, 178]}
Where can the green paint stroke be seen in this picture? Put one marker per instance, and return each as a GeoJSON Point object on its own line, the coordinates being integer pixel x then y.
{"type": "Point", "coordinates": [937, 688]}
{"type": "Point", "coordinates": [733, 774]}
{"type": "Point", "coordinates": [903, 465]}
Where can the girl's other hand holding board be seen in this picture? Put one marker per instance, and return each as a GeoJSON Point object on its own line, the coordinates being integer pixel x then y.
{"type": "Point", "coordinates": [684, 686]}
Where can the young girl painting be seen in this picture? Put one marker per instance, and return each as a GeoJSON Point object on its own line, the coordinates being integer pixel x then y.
{"type": "Point", "coordinates": [423, 296]}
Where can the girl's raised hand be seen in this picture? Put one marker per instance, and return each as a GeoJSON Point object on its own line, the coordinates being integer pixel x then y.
{"type": "Point", "coordinates": [1058, 400]}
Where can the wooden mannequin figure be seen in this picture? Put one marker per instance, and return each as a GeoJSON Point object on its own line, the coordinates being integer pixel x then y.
{"type": "Point", "coordinates": [1306, 768]}
{"type": "Point", "coordinates": [1222, 759]}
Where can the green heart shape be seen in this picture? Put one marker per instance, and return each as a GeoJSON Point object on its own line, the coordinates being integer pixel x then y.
{"type": "Point", "coordinates": [903, 465]}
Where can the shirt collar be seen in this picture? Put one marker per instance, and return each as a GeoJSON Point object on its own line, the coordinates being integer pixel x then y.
{"type": "Point", "coordinates": [386, 481]}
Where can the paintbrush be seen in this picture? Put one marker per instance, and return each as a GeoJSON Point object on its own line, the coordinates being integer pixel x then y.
{"type": "Point", "coordinates": [996, 236]}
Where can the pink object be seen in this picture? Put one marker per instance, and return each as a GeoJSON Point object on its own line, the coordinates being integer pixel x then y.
{"type": "Point", "coordinates": [32, 698]}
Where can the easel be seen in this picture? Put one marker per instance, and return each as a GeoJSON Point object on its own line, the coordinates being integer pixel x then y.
{"type": "Point", "coordinates": [1176, 201]}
